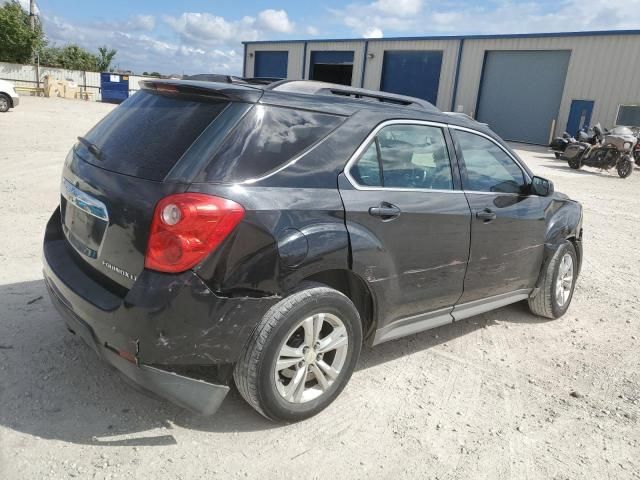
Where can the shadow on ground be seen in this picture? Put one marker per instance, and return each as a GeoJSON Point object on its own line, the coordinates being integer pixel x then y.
{"type": "Point", "coordinates": [54, 386]}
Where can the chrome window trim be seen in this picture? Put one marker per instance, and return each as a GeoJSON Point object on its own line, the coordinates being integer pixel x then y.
{"type": "Point", "coordinates": [367, 141]}
{"type": "Point", "coordinates": [83, 201]}
{"type": "Point", "coordinates": [517, 162]}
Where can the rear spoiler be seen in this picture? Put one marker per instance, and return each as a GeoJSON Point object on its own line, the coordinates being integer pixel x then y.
{"type": "Point", "coordinates": [213, 90]}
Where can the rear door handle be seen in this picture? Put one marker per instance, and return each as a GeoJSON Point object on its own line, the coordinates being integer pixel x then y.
{"type": "Point", "coordinates": [386, 211]}
{"type": "Point", "coordinates": [486, 215]}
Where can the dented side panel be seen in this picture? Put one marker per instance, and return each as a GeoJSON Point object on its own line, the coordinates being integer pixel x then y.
{"type": "Point", "coordinates": [416, 262]}
{"type": "Point", "coordinates": [507, 252]}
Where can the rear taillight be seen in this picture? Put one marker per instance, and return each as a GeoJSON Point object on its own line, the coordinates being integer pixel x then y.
{"type": "Point", "coordinates": [187, 227]}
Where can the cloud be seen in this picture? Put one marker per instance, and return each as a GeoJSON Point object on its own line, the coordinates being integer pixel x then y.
{"type": "Point", "coordinates": [147, 51]}
{"type": "Point", "coordinates": [401, 17]}
{"type": "Point", "coordinates": [275, 21]}
{"type": "Point", "coordinates": [373, 32]}
{"type": "Point", "coordinates": [137, 23]}
{"type": "Point", "coordinates": [193, 42]}
{"type": "Point", "coordinates": [313, 31]}
{"type": "Point", "coordinates": [400, 8]}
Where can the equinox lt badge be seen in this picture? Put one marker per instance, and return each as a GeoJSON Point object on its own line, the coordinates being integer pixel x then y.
{"type": "Point", "coordinates": [119, 270]}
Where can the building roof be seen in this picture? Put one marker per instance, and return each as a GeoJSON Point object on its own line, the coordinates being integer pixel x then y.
{"type": "Point", "coordinates": [459, 37]}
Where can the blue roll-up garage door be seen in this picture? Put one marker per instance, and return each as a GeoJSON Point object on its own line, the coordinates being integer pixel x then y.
{"type": "Point", "coordinates": [271, 64]}
{"type": "Point", "coordinates": [414, 73]}
{"type": "Point", "coordinates": [520, 92]}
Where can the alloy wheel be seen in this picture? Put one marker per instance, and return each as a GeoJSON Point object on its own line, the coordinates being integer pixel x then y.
{"type": "Point", "coordinates": [564, 280]}
{"type": "Point", "coordinates": [311, 358]}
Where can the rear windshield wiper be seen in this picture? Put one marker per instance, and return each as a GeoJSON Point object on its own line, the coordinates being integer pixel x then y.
{"type": "Point", "coordinates": [92, 147]}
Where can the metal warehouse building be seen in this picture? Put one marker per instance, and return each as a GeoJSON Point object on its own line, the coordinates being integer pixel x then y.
{"type": "Point", "coordinates": [526, 87]}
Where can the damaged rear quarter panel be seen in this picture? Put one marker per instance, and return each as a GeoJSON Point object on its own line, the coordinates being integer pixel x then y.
{"type": "Point", "coordinates": [182, 322]}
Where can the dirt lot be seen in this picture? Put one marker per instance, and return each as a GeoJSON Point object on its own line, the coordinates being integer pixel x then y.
{"type": "Point", "coordinates": [490, 397]}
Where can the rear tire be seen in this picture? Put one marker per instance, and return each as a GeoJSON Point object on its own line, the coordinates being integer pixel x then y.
{"type": "Point", "coordinates": [5, 103]}
{"type": "Point", "coordinates": [556, 292]}
{"type": "Point", "coordinates": [575, 162]}
{"type": "Point", "coordinates": [625, 167]}
{"type": "Point", "coordinates": [287, 371]}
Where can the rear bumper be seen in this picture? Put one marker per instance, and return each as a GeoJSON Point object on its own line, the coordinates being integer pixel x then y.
{"type": "Point", "coordinates": [197, 395]}
{"type": "Point", "coordinates": [164, 324]}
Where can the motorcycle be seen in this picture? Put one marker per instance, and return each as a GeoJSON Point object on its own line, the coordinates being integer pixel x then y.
{"type": "Point", "coordinates": [610, 149]}
{"type": "Point", "coordinates": [560, 144]}
{"type": "Point", "coordinates": [636, 149]}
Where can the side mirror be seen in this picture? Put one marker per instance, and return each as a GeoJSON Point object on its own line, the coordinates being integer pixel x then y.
{"type": "Point", "coordinates": [541, 186]}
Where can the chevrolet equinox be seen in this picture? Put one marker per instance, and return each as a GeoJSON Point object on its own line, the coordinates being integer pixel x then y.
{"type": "Point", "coordinates": [218, 233]}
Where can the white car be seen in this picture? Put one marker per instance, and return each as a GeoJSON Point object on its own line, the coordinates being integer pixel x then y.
{"type": "Point", "coordinates": [8, 96]}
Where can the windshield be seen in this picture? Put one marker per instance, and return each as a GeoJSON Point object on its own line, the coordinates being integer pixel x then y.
{"type": "Point", "coordinates": [621, 131]}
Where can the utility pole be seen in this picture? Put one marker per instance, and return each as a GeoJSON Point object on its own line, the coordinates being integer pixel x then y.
{"type": "Point", "coordinates": [32, 14]}
{"type": "Point", "coordinates": [36, 56]}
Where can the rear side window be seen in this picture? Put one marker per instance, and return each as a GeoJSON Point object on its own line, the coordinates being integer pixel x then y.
{"type": "Point", "coordinates": [266, 139]}
{"type": "Point", "coordinates": [146, 135]}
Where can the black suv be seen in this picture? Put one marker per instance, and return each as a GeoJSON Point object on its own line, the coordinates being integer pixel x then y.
{"type": "Point", "coordinates": [211, 232]}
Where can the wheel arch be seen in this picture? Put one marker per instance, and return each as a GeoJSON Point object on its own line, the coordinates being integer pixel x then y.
{"type": "Point", "coordinates": [357, 290]}
{"type": "Point", "coordinates": [564, 224]}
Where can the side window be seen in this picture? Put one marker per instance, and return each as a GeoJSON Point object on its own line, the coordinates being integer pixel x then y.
{"type": "Point", "coordinates": [487, 167]}
{"type": "Point", "coordinates": [266, 138]}
{"type": "Point", "coordinates": [366, 171]}
{"type": "Point", "coordinates": [410, 156]}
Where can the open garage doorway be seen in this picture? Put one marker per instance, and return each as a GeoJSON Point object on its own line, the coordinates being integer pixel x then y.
{"type": "Point", "coordinates": [332, 66]}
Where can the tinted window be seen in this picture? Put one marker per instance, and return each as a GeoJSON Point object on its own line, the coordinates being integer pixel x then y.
{"type": "Point", "coordinates": [412, 156]}
{"type": "Point", "coordinates": [366, 170]}
{"type": "Point", "coordinates": [146, 135]}
{"type": "Point", "coordinates": [266, 139]}
{"type": "Point", "coordinates": [487, 167]}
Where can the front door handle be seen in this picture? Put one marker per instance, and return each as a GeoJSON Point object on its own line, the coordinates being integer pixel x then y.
{"type": "Point", "coordinates": [486, 215]}
{"type": "Point", "coordinates": [386, 211]}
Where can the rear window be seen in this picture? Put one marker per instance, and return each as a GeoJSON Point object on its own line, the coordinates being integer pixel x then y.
{"type": "Point", "coordinates": [146, 135]}
{"type": "Point", "coordinates": [266, 139]}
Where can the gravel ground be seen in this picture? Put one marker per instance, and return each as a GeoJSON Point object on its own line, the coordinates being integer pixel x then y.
{"type": "Point", "coordinates": [500, 395]}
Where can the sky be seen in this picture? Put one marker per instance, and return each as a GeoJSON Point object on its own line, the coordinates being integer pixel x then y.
{"type": "Point", "coordinates": [205, 36]}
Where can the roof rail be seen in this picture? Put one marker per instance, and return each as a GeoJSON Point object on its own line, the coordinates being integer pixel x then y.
{"type": "Point", "coordinates": [222, 78]}
{"type": "Point", "coordinates": [312, 87]}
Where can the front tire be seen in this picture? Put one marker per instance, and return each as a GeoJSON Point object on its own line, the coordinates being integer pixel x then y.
{"type": "Point", "coordinates": [556, 292]}
{"type": "Point", "coordinates": [625, 166]}
{"type": "Point", "coordinates": [301, 355]}
{"type": "Point", "coordinates": [5, 103]}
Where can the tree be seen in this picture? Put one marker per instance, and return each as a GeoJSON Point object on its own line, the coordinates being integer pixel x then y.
{"type": "Point", "coordinates": [105, 57]}
{"type": "Point", "coordinates": [18, 41]}
{"type": "Point", "coordinates": [71, 57]}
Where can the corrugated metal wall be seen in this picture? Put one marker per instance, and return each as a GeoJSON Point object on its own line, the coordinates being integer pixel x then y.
{"type": "Point", "coordinates": [294, 64]}
{"type": "Point", "coordinates": [601, 68]}
{"type": "Point", "coordinates": [449, 50]}
{"type": "Point", "coordinates": [25, 76]}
